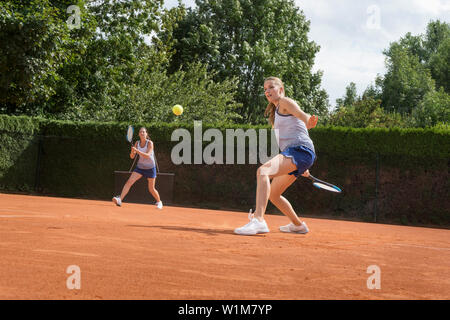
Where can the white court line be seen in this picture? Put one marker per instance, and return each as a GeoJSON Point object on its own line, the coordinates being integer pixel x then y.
{"type": "Point", "coordinates": [418, 246]}
{"type": "Point", "coordinates": [12, 216]}
{"type": "Point", "coordinates": [6, 213]}
{"type": "Point", "coordinates": [67, 252]}
{"type": "Point", "coordinates": [7, 210]}
{"type": "Point", "coordinates": [22, 216]}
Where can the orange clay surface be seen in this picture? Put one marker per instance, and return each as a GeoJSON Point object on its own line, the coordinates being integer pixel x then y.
{"type": "Point", "coordinates": [139, 252]}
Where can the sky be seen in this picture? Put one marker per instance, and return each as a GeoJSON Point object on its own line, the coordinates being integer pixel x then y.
{"type": "Point", "coordinates": [353, 34]}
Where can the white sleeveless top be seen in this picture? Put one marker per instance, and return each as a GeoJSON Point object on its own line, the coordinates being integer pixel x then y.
{"type": "Point", "coordinates": [143, 162]}
{"type": "Point", "coordinates": [292, 132]}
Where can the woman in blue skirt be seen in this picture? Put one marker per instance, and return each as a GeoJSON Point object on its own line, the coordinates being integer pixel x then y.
{"type": "Point", "coordinates": [145, 168]}
{"type": "Point", "coordinates": [297, 155]}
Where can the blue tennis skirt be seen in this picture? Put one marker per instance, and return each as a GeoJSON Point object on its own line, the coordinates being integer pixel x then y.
{"type": "Point", "coordinates": [148, 173]}
{"type": "Point", "coordinates": [302, 157]}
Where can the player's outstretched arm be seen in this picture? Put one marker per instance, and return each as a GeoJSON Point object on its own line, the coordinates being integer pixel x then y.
{"type": "Point", "coordinates": [292, 108]}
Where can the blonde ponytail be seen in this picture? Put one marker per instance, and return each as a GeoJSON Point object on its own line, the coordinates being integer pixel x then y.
{"type": "Point", "coordinates": [270, 112]}
{"type": "Point", "coordinates": [270, 109]}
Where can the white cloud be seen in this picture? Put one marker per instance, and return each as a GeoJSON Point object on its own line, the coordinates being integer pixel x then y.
{"type": "Point", "coordinates": [421, 7]}
{"type": "Point", "coordinates": [174, 3]}
{"type": "Point", "coordinates": [351, 47]}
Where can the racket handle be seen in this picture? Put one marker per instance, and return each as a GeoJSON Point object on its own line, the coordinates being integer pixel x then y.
{"type": "Point", "coordinates": [156, 162]}
{"type": "Point", "coordinates": [133, 163]}
{"type": "Point", "coordinates": [314, 179]}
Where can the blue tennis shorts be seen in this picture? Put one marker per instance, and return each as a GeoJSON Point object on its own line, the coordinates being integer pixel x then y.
{"type": "Point", "coordinates": [148, 173]}
{"type": "Point", "coordinates": [302, 157]}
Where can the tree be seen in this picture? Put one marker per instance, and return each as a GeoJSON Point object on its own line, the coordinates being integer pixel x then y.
{"type": "Point", "coordinates": [432, 50]}
{"type": "Point", "coordinates": [415, 46]}
{"type": "Point", "coordinates": [350, 96]}
{"type": "Point", "coordinates": [406, 82]}
{"type": "Point", "coordinates": [372, 91]}
{"type": "Point", "coordinates": [251, 40]}
{"type": "Point", "coordinates": [365, 112]}
{"type": "Point", "coordinates": [35, 39]}
{"type": "Point", "coordinates": [433, 109]}
{"type": "Point", "coordinates": [148, 97]}
{"type": "Point", "coordinates": [50, 69]}
{"type": "Point", "coordinates": [437, 48]}
{"type": "Point", "coordinates": [437, 32]}
{"type": "Point", "coordinates": [93, 78]}
{"type": "Point", "coordinates": [439, 65]}
{"type": "Point", "coordinates": [416, 84]}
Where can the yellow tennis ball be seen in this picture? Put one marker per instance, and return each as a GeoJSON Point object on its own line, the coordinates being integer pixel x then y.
{"type": "Point", "coordinates": [177, 109]}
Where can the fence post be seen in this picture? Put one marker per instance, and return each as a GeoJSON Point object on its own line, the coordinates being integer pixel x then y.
{"type": "Point", "coordinates": [377, 181]}
{"type": "Point", "coordinates": [38, 165]}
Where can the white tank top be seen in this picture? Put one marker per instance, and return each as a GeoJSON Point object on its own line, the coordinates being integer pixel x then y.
{"type": "Point", "coordinates": [292, 132]}
{"type": "Point", "coordinates": [143, 162]}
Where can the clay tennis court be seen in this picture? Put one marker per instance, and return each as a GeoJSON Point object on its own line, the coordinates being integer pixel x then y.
{"type": "Point", "coordinates": [138, 252]}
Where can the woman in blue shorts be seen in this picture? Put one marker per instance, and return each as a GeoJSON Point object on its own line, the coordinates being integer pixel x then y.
{"type": "Point", "coordinates": [145, 167]}
{"type": "Point", "coordinates": [297, 155]}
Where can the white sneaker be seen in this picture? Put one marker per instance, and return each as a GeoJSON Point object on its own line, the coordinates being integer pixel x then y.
{"type": "Point", "coordinates": [117, 201]}
{"type": "Point", "coordinates": [253, 227]}
{"type": "Point", "coordinates": [303, 229]}
{"type": "Point", "coordinates": [159, 205]}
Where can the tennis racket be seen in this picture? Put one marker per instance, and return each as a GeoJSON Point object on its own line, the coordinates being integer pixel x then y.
{"type": "Point", "coordinates": [324, 185]}
{"type": "Point", "coordinates": [156, 162]}
{"type": "Point", "coordinates": [129, 136]}
{"type": "Point", "coordinates": [130, 132]}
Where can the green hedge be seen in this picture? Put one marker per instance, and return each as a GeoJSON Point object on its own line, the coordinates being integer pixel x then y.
{"type": "Point", "coordinates": [18, 152]}
{"type": "Point", "coordinates": [75, 159]}
{"type": "Point", "coordinates": [347, 142]}
{"type": "Point", "coordinates": [19, 124]}
{"type": "Point", "coordinates": [432, 143]}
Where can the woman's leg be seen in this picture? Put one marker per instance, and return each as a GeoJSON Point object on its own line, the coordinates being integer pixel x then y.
{"type": "Point", "coordinates": [152, 190]}
{"type": "Point", "coordinates": [276, 167]}
{"type": "Point", "coordinates": [131, 180]}
{"type": "Point", "coordinates": [277, 187]}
